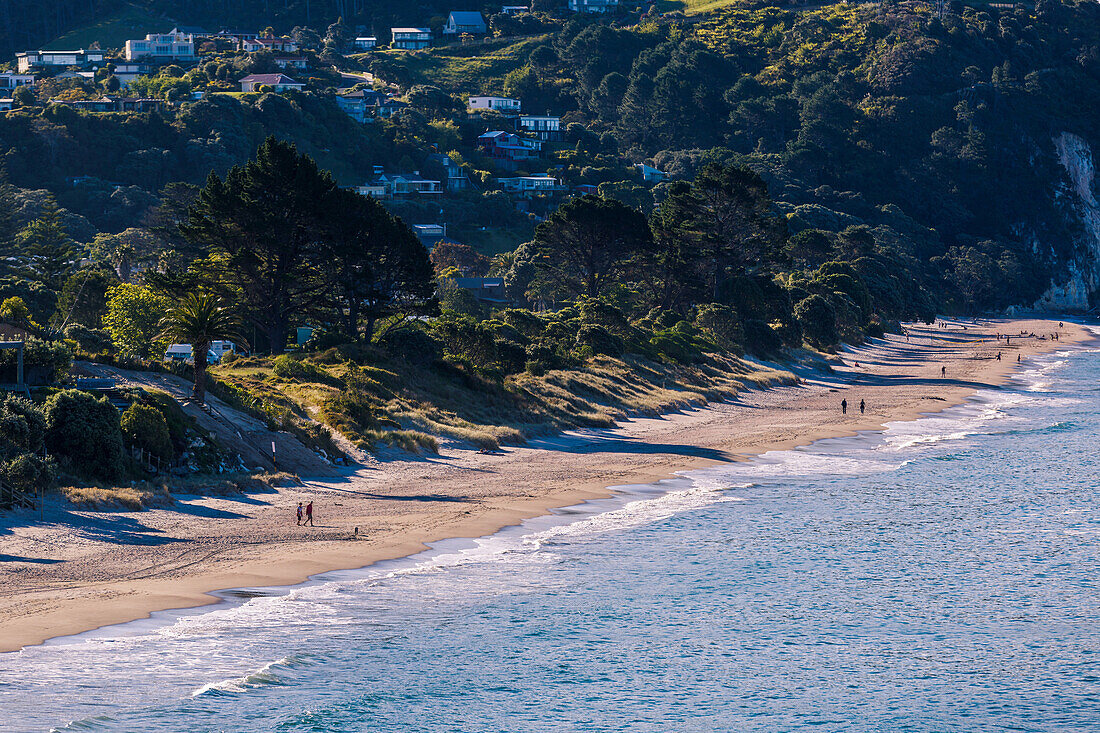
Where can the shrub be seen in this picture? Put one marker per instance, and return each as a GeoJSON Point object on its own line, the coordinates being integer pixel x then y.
{"type": "Point", "coordinates": [145, 427]}
{"type": "Point", "coordinates": [760, 338]}
{"type": "Point", "coordinates": [25, 473]}
{"type": "Point", "coordinates": [84, 431]}
{"type": "Point", "coordinates": [412, 345]}
{"type": "Point", "coordinates": [288, 367]}
{"type": "Point", "coordinates": [720, 324]}
{"type": "Point", "coordinates": [818, 320]}
{"type": "Point", "coordinates": [22, 426]}
{"type": "Point", "coordinates": [599, 340]}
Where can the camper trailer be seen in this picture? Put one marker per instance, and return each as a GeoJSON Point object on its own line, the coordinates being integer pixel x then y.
{"type": "Point", "coordinates": [182, 352]}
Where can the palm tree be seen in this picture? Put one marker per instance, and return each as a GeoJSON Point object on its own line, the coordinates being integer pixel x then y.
{"type": "Point", "coordinates": [200, 319]}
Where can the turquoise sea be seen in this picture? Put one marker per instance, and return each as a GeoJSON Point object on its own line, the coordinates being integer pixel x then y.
{"type": "Point", "coordinates": [939, 576]}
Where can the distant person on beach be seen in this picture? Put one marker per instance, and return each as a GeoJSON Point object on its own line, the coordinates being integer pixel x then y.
{"type": "Point", "coordinates": [299, 514]}
{"type": "Point", "coordinates": [862, 407]}
{"type": "Point", "coordinates": [844, 407]}
{"type": "Point", "coordinates": [1059, 324]}
{"type": "Point", "coordinates": [1017, 357]}
{"type": "Point", "coordinates": [309, 513]}
{"type": "Point", "coordinates": [998, 356]}
{"type": "Point", "coordinates": [943, 371]}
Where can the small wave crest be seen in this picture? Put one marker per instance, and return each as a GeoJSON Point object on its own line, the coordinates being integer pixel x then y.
{"type": "Point", "coordinates": [265, 676]}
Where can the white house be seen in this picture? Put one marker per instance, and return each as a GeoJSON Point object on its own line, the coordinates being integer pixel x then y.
{"type": "Point", "coordinates": [459, 22]}
{"type": "Point", "coordinates": [594, 6]}
{"type": "Point", "coordinates": [9, 80]}
{"type": "Point", "coordinates": [6, 103]}
{"type": "Point", "coordinates": [499, 104]}
{"type": "Point", "coordinates": [544, 127]}
{"type": "Point", "coordinates": [278, 82]}
{"type": "Point", "coordinates": [650, 174]}
{"type": "Point", "coordinates": [530, 185]}
{"type": "Point", "coordinates": [161, 47]}
{"type": "Point", "coordinates": [364, 43]}
{"type": "Point", "coordinates": [515, 9]}
{"type": "Point", "coordinates": [268, 43]}
{"type": "Point", "coordinates": [31, 60]}
{"type": "Point", "coordinates": [411, 39]}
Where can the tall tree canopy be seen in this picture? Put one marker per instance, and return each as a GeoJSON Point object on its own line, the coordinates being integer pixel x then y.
{"type": "Point", "coordinates": [262, 228]}
{"type": "Point", "coordinates": [590, 242]}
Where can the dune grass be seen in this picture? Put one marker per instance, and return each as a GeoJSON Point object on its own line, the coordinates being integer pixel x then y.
{"type": "Point", "coordinates": [376, 403]}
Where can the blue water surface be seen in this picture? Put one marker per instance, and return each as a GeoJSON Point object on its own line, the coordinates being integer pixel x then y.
{"type": "Point", "coordinates": [940, 576]}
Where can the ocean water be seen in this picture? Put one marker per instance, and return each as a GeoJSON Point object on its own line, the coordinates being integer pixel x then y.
{"type": "Point", "coordinates": [938, 576]}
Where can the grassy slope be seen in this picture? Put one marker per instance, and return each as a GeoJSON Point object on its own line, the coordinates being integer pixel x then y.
{"type": "Point", "coordinates": [114, 30]}
{"type": "Point", "coordinates": [473, 68]}
{"type": "Point", "coordinates": [412, 405]}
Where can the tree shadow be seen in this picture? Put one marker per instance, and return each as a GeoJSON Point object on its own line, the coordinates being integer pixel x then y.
{"type": "Point", "coordinates": [35, 560]}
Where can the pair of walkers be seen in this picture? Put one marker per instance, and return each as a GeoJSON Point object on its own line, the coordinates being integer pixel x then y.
{"type": "Point", "coordinates": [844, 406]}
{"type": "Point", "coordinates": [308, 509]}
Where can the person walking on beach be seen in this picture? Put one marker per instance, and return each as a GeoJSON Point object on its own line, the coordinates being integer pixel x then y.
{"type": "Point", "coordinates": [299, 514]}
{"type": "Point", "coordinates": [844, 407]}
{"type": "Point", "coordinates": [943, 371]}
{"type": "Point", "coordinates": [998, 356]}
{"type": "Point", "coordinates": [309, 513]}
{"type": "Point", "coordinates": [862, 407]}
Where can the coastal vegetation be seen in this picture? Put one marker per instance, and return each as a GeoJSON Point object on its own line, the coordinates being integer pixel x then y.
{"type": "Point", "coordinates": [825, 173]}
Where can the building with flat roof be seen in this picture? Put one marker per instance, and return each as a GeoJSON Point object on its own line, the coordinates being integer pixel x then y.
{"type": "Point", "coordinates": [161, 47]}
{"type": "Point", "coordinates": [411, 39]}
{"type": "Point", "coordinates": [42, 60]}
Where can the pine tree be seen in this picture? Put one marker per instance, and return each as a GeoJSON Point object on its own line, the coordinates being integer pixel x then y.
{"type": "Point", "coordinates": [46, 252]}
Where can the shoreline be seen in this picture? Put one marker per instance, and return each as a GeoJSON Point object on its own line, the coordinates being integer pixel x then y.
{"type": "Point", "coordinates": [578, 466]}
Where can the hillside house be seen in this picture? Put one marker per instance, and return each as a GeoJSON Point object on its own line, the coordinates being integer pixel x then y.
{"type": "Point", "coordinates": [362, 105]}
{"type": "Point", "coordinates": [8, 80]}
{"type": "Point", "coordinates": [489, 290]}
{"type": "Point", "coordinates": [390, 185]}
{"type": "Point", "coordinates": [411, 39]}
{"type": "Point", "coordinates": [298, 63]}
{"type": "Point", "coordinates": [161, 48]}
{"type": "Point", "coordinates": [459, 22]}
{"type": "Point", "coordinates": [545, 127]}
{"type": "Point", "coordinates": [364, 43]}
{"type": "Point", "coordinates": [650, 174]}
{"type": "Point", "coordinates": [457, 180]}
{"type": "Point", "coordinates": [44, 60]}
{"type": "Point", "coordinates": [594, 6]}
{"type": "Point", "coordinates": [278, 82]}
{"type": "Point", "coordinates": [268, 43]}
{"type": "Point", "coordinates": [126, 73]}
{"type": "Point", "coordinates": [586, 189]}
{"type": "Point", "coordinates": [6, 103]}
{"type": "Point", "coordinates": [530, 185]}
{"type": "Point", "coordinates": [508, 151]}
{"type": "Point", "coordinates": [429, 234]}
{"type": "Point", "coordinates": [504, 105]}
{"type": "Point", "coordinates": [515, 9]}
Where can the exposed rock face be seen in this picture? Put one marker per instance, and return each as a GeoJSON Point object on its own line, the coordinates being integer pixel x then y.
{"type": "Point", "coordinates": [1080, 285]}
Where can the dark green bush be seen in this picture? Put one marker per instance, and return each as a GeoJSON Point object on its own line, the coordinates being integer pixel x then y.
{"type": "Point", "coordinates": [83, 431]}
{"type": "Point", "coordinates": [144, 426]}
{"type": "Point", "coordinates": [760, 338]}
{"type": "Point", "coordinates": [599, 340]}
{"type": "Point", "coordinates": [818, 320]}
{"type": "Point", "coordinates": [412, 345]}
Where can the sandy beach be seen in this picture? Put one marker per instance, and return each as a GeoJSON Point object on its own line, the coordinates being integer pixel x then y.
{"type": "Point", "coordinates": [73, 571]}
